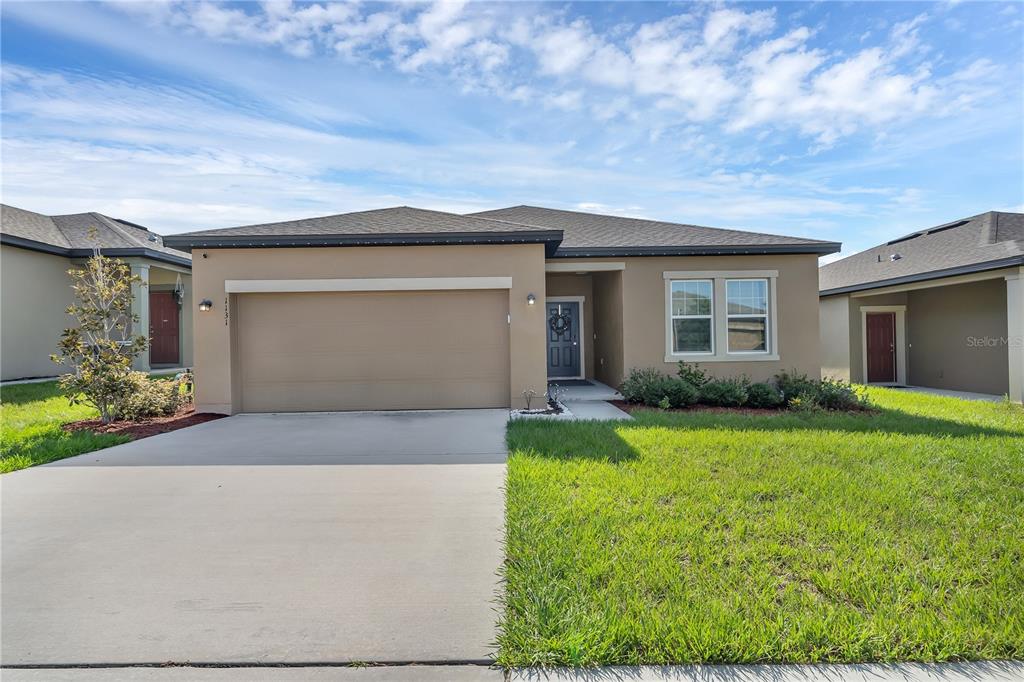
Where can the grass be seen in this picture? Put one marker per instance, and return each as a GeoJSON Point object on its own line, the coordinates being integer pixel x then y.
{"type": "Point", "coordinates": [699, 537]}
{"type": "Point", "coordinates": [31, 416]}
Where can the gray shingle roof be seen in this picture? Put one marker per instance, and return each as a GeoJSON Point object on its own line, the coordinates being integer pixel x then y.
{"type": "Point", "coordinates": [596, 234]}
{"type": "Point", "coordinates": [385, 226]}
{"type": "Point", "coordinates": [982, 242]}
{"type": "Point", "coordinates": [381, 221]}
{"type": "Point", "coordinates": [77, 234]}
{"type": "Point", "coordinates": [575, 234]}
{"type": "Point", "coordinates": [28, 225]}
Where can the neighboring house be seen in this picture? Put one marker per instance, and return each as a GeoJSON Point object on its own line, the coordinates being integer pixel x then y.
{"type": "Point", "coordinates": [942, 307]}
{"type": "Point", "coordinates": [403, 308]}
{"type": "Point", "coordinates": [36, 251]}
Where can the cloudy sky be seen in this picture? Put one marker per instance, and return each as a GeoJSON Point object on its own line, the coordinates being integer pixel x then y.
{"type": "Point", "coordinates": [849, 121]}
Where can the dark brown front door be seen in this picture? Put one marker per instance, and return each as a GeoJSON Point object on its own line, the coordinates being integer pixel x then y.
{"type": "Point", "coordinates": [881, 347]}
{"type": "Point", "coordinates": [163, 328]}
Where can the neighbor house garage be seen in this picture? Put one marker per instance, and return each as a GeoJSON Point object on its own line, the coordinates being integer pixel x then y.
{"type": "Point", "coordinates": [404, 308]}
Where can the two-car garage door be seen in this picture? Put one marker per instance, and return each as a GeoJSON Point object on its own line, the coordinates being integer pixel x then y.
{"type": "Point", "coordinates": [372, 350]}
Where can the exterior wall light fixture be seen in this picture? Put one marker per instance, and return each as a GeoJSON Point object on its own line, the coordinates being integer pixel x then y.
{"type": "Point", "coordinates": [530, 299]}
{"type": "Point", "coordinates": [205, 304]}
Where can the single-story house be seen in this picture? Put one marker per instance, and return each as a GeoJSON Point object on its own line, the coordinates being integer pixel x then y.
{"type": "Point", "coordinates": [941, 307]}
{"type": "Point", "coordinates": [36, 252]}
{"type": "Point", "coordinates": [403, 308]}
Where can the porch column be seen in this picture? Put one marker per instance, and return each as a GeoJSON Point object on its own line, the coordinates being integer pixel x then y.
{"type": "Point", "coordinates": [1015, 333]}
{"type": "Point", "coordinates": [140, 307]}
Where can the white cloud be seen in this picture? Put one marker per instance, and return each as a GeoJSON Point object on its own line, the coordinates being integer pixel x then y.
{"type": "Point", "coordinates": [562, 50]}
{"type": "Point", "coordinates": [724, 26]}
{"type": "Point", "coordinates": [569, 100]}
{"type": "Point", "coordinates": [904, 36]}
{"type": "Point", "coordinates": [724, 64]}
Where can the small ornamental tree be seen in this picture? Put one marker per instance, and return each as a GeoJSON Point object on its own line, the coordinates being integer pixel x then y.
{"type": "Point", "coordinates": [100, 350]}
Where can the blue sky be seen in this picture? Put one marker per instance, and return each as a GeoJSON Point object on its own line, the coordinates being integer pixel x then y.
{"type": "Point", "coordinates": [848, 121]}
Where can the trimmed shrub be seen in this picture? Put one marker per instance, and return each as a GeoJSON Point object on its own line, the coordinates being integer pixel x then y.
{"type": "Point", "coordinates": [679, 392]}
{"type": "Point", "coordinates": [723, 393]}
{"type": "Point", "coordinates": [764, 395]}
{"type": "Point", "coordinates": [638, 384]}
{"type": "Point", "coordinates": [793, 384]}
{"type": "Point", "coordinates": [151, 398]}
{"type": "Point", "coordinates": [834, 394]}
{"type": "Point", "coordinates": [692, 374]}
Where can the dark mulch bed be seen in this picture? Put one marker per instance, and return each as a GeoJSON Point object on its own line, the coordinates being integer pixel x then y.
{"type": "Point", "coordinates": [187, 416]}
{"type": "Point", "coordinates": [751, 411]}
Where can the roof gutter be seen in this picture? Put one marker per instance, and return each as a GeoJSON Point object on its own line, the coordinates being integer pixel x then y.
{"type": "Point", "coordinates": [125, 252]}
{"type": "Point", "coordinates": [925, 276]}
{"type": "Point", "coordinates": [550, 238]}
{"type": "Point", "coordinates": [821, 249]}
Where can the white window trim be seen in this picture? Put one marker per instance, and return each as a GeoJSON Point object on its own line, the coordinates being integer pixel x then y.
{"type": "Point", "coordinates": [901, 342]}
{"type": "Point", "coordinates": [720, 340]}
{"type": "Point", "coordinates": [768, 326]}
{"type": "Point", "coordinates": [583, 346]}
{"type": "Point", "coordinates": [671, 317]}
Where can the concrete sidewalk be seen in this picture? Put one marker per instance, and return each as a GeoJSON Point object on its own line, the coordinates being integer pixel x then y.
{"type": "Point", "coordinates": [998, 671]}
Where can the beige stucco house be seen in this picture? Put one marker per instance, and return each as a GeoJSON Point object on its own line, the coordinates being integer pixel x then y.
{"type": "Point", "coordinates": [404, 308]}
{"type": "Point", "coordinates": [36, 252]}
{"type": "Point", "coordinates": [941, 307]}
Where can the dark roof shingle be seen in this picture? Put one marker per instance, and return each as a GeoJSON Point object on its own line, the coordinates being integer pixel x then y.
{"type": "Point", "coordinates": [380, 221]}
{"type": "Point", "coordinates": [77, 234]}
{"type": "Point", "coordinates": [593, 233]}
{"type": "Point", "coordinates": [575, 234]}
{"type": "Point", "coordinates": [986, 241]}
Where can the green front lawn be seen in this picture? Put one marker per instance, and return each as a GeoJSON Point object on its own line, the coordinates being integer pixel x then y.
{"type": "Point", "coordinates": [30, 427]}
{"type": "Point", "coordinates": [700, 537]}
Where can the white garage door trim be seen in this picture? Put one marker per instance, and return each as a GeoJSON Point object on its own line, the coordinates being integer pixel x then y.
{"type": "Point", "coordinates": [271, 286]}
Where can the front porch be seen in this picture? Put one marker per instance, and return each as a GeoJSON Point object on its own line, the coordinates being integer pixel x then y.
{"type": "Point", "coordinates": [163, 303]}
{"type": "Point", "coordinates": [583, 325]}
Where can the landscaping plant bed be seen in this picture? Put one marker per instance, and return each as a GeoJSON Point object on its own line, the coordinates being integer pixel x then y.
{"type": "Point", "coordinates": [632, 408]}
{"type": "Point", "coordinates": [187, 416]}
{"type": "Point", "coordinates": [752, 411]}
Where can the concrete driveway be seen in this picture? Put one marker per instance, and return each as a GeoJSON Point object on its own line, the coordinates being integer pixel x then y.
{"type": "Point", "coordinates": [261, 538]}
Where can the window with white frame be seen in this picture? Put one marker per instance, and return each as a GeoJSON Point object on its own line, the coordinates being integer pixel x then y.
{"type": "Point", "coordinates": [692, 313]}
{"type": "Point", "coordinates": [747, 315]}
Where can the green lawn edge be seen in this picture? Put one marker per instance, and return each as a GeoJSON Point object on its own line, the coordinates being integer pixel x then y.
{"type": "Point", "coordinates": [786, 538]}
{"type": "Point", "coordinates": [31, 433]}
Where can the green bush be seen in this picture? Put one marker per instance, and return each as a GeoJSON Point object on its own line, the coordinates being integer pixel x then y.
{"type": "Point", "coordinates": [678, 392]}
{"type": "Point", "coordinates": [151, 398]}
{"type": "Point", "coordinates": [805, 402]}
{"type": "Point", "coordinates": [724, 393]}
{"type": "Point", "coordinates": [834, 394]}
{"type": "Point", "coordinates": [794, 384]}
{"type": "Point", "coordinates": [693, 375]}
{"type": "Point", "coordinates": [650, 387]}
{"type": "Point", "coordinates": [764, 395]}
{"type": "Point", "coordinates": [638, 383]}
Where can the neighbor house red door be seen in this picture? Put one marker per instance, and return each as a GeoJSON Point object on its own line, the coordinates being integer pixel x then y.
{"type": "Point", "coordinates": [881, 336]}
{"type": "Point", "coordinates": [163, 328]}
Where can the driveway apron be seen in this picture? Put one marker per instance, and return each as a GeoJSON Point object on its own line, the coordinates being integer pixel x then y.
{"type": "Point", "coordinates": [346, 537]}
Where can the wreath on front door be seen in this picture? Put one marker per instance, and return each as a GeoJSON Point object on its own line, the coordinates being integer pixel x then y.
{"type": "Point", "coordinates": [560, 323]}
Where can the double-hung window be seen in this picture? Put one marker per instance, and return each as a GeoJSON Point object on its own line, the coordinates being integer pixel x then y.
{"type": "Point", "coordinates": [692, 311]}
{"type": "Point", "coordinates": [747, 315]}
